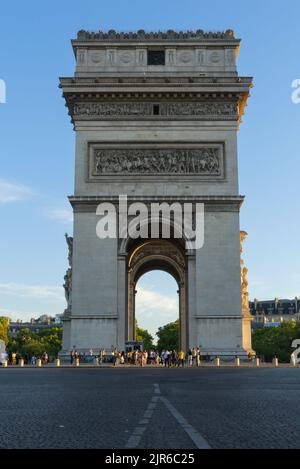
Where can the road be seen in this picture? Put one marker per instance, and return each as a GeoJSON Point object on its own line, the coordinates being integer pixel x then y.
{"type": "Point", "coordinates": [150, 408]}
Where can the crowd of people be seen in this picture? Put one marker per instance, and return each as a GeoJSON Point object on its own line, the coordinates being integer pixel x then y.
{"type": "Point", "coordinates": [14, 358]}
{"type": "Point", "coordinates": [166, 358]}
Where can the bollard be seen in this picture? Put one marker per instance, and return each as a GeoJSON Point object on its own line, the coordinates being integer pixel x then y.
{"type": "Point", "coordinates": [57, 362]}
{"type": "Point", "coordinates": [257, 362]}
{"type": "Point", "coordinates": [5, 364]}
{"type": "Point", "coordinates": [21, 361]}
{"type": "Point", "coordinates": [237, 361]}
{"type": "Point", "coordinates": [217, 361]}
{"type": "Point", "coordinates": [77, 362]}
{"type": "Point", "coordinates": [293, 360]}
{"type": "Point", "coordinates": [39, 363]}
{"type": "Point", "coordinates": [275, 361]}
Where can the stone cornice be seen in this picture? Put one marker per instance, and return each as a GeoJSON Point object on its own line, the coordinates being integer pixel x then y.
{"type": "Point", "coordinates": [82, 90]}
{"type": "Point", "coordinates": [151, 82]}
{"type": "Point", "coordinates": [212, 203]}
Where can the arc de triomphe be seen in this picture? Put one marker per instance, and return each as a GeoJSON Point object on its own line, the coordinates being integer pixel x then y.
{"type": "Point", "coordinates": [156, 117]}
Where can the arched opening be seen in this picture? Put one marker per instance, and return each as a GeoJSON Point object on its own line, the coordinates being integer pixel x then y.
{"type": "Point", "coordinates": [157, 302]}
{"type": "Point", "coordinates": [156, 254]}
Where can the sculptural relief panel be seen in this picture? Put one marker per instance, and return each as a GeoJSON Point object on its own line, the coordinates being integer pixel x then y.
{"type": "Point", "coordinates": [126, 57]}
{"type": "Point", "coordinates": [203, 160]}
{"type": "Point", "coordinates": [96, 57]}
{"type": "Point", "coordinates": [185, 57]}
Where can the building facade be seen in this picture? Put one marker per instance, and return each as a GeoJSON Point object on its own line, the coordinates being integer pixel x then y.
{"type": "Point", "coordinates": [34, 325]}
{"type": "Point", "coordinates": [156, 117]}
{"type": "Point", "coordinates": [274, 311]}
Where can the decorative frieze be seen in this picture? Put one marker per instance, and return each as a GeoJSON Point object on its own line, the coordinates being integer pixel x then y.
{"type": "Point", "coordinates": [88, 110]}
{"type": "Point", "coordinates": [228, 109]}
{"type": "Point", "coordinates": [94, 110]}
{"type": "Point", "coordinates": [153, 161]}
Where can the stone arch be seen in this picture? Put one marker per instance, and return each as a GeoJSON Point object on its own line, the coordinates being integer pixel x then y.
{"type": "Point", "coordinates": [125, 239]}
{"type": "Point", "coordinates": [157, 254]}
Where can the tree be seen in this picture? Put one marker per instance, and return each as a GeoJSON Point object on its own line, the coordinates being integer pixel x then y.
{"type": "Point", "coordinates": [47, 340]}
{"type": "Point", "coordinates": [4, 324]}
{"type": "Point", "coordinates": [168, 336]}
{"type": "Point", "coordinates": [271, 341]}
{"type": "Point", "coordinates": [142, 335]}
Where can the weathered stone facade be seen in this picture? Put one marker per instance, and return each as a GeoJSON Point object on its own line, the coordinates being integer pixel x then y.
{"type": "Point", "coordinates": [156, 118]}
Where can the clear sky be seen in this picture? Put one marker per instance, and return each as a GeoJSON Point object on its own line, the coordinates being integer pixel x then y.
{"type": "Point", "coordinates": [37, 141]}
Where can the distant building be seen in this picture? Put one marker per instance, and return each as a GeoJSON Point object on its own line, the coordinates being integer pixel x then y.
{"type": "Point", "coordinates": [269, 312]}
{"type": "Point", "coordinates": [35, 325]}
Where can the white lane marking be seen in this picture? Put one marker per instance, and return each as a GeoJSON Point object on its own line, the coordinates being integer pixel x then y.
{"type": "Point", "coordinates": [195, 436]}
{"type": "Point", "coordinates": [133, 442]}
{"type": "Point", "coordinates": [144, 422]}
{"type": "Point", "coordinates": [152, 406]}
{"type": "Point", "coordinates": [135, 438]}
{"type": "Point", "coordinates": [156, 389]}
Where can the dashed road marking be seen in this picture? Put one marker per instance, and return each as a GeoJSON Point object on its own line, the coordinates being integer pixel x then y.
{"type": "Point", "coordinates": [135, 438]}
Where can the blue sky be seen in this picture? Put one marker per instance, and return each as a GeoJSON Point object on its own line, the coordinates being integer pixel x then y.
{"type": "Point", "coordinates": [37, 140]}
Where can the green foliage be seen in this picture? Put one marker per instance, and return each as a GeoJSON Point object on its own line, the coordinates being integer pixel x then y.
{"type": "Point", "coordinates": [271, 341]}
{"type": "Point", "coordinates": [168, 336]}
{"type": "Point", "coordinates": [4, 323]}
{"type": "Point", "coordinates": [47, 340]}
{"type": "Point", "coordinates": [142, 335]}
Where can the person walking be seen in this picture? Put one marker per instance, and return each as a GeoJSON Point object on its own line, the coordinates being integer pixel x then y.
{"type": "Point", "coordinates": [198, 356]}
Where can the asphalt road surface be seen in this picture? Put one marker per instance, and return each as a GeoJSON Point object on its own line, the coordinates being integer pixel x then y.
{"type": "Point", "coordinates": [150, 408]}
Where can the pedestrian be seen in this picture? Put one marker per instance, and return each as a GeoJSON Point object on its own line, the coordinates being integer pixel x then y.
{"type": "Point", "coordinates": [167, 358]}
{"type": "Point", "coordinates": [181, 360]}
{"type": "Point", "coordinates": [198, 356]}
{"type": "Point", "coordinates": [114, 357]}
{"type": "Point", "coordinates": [174, 358]}
{"type": "Point", "coordinates": [190, 355]}
{"type": "Point", "coordinates": [194, 356]}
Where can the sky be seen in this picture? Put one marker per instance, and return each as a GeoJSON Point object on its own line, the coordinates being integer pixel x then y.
{"type": "Point", "coordinates": [37, 143]}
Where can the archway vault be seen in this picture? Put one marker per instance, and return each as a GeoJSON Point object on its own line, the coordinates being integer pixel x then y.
{"type": "Point", "coordinates": [157, 254]}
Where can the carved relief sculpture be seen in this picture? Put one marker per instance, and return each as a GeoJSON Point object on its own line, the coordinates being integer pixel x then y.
{"type": "Point", "coordinates": [68, 276]}
{"type": "Point", "coordinates": [145, 109]}
{"type": "Point", "coordinates": [244, 279]}
{"type": "Point", "coordinates": [205, 161]}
